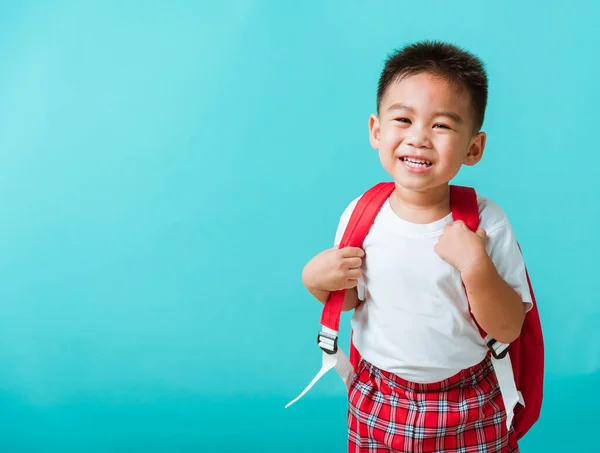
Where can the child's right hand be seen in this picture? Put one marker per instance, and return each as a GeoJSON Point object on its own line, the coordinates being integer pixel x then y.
{"type": "Point", "coordinates": [334, 269]}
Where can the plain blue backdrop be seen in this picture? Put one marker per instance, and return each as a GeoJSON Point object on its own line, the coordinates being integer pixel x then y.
{"type": "Point", "coordinates": [167, 168]}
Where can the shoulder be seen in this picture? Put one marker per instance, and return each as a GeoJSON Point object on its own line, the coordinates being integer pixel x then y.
{"type": "Point", "coordinates": [347, 211]}
{"type": "Point", "coordinates": [349, 208]}
{"type": "Point", "coordinates": [344, 216]}
{"type": "Point", "coordinates": [375, 192]}
{"type": "Point", "coordinates": [492, 216]}
{"type": "Point", "coordinates": [497, 226]}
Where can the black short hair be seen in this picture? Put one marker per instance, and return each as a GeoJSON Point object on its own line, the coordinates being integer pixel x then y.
{"type": "Point", "coordinates": [448, 61]}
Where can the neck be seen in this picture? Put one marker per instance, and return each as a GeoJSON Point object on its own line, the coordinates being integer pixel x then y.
{"type": "Point", "coordinates": [421, 206]}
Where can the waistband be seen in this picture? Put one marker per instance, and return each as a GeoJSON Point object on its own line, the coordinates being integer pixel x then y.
{"type": "Point", "coordinates": [464, 378]}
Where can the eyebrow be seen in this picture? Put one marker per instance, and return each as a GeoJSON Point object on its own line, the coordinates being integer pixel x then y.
{"type": "Point", "coordinates": [451, 115]}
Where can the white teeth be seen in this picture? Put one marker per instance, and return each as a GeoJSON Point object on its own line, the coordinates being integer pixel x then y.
{"type": "Point", "coordinates": [416, 162]}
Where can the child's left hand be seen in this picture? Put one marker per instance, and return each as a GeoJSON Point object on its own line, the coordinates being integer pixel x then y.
{"type": "Point", "coordinates": [460, 247]}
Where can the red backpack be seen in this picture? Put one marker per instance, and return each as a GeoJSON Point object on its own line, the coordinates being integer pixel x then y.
{"type": "Point", "coordinates": [526, 353]}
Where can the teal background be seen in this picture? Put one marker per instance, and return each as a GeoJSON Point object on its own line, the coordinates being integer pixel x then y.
{"type": "Point", "coordinates": [167, 168]}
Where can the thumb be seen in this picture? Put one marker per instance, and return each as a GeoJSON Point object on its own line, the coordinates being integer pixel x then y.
{"type": "Point", "coordinates": [481, 233]}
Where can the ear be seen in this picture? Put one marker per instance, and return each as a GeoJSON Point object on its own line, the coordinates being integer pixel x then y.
{"type": "Point", "coordinates": [374, 131]}
{"type": "Point", "coordinates": [476, 148]}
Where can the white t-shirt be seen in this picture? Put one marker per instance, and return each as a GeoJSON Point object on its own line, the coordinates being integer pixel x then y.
{"type": "Point", "coordinates": [415, 320]}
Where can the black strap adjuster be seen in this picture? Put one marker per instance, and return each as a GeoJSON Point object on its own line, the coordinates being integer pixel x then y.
{"type": "Point", "coordinates": [327, 342]}
{"type": "Point", "coordinates": [501, 347]}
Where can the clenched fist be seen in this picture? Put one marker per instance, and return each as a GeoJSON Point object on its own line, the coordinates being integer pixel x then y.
{"type": "Point", "coordinates": [334, 269]}
{"type": "Point", "coordinates": [460, 247]}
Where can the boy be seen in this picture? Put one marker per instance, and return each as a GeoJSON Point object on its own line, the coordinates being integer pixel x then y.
{"type": "Point", "coordinates": [426, 381]}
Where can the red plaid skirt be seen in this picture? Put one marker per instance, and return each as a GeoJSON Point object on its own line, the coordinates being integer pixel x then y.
{"type": "Point", "coordinates": [462, 414]}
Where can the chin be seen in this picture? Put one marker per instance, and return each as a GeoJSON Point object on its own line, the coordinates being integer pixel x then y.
{"type": "Point", "coordinates": [412, 186]}
{"type": "Point", "coordinates": [417, 186]}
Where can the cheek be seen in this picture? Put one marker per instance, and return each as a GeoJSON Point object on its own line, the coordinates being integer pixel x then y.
{"type": "Point", "coordinates": [450, 148]}
{"type": "Point", "coordinates": [391, 136]}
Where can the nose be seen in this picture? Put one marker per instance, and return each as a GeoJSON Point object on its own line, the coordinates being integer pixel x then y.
{"type": "Point", "coordinates": [418, 137]}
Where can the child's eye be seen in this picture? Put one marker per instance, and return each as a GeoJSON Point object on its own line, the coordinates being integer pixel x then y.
{"type": "Point", "coordinates": [442, 126]}
{"type": "Point", "coordinates": [403, 120]}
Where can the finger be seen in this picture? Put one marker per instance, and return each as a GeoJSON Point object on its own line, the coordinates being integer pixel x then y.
{"type": "Point", "coordinates": [348, 252]}
{"type": "Point", "coordinates": [353, 263]}
{"type": "Point", "coordinates": [481, 233]}
{"type": "Point", "coordinates": [353, 274]}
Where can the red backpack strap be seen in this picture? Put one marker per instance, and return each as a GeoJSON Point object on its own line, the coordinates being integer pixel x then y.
{"type": "Point", "coordinates": [526, 352]}
{"type": "Point", "coordinates": [463, 202]}
{"type": "Point", "coordinates": [360, 222]}
{"type": "Point", "coordinates": [465, 207]}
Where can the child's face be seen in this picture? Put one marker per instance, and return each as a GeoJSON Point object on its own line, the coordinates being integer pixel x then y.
{"type": "Point", "coordinates": [425, 132]}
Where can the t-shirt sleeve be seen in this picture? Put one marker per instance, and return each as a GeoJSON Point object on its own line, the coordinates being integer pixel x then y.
{"type": "Point", "coordinates": [504, 251]}
{"type": "Point", "coordinates": [343, 222]}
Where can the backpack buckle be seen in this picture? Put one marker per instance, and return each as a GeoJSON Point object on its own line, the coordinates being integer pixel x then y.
{"type": "Point", "coordinates": [328, 342]}
{"type": "Point", "coordinates": [498, 350]}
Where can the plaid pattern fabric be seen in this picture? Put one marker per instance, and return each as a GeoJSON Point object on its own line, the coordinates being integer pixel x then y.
{"type": "Point", "coordinates": [462, 414]}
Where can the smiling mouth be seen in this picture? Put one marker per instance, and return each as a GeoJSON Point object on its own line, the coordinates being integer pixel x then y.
{"type": "Point", "coordinates": [416, 163]}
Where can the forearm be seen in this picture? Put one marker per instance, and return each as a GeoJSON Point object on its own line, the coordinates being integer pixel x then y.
{"type": "Point", "coordinates": [319, 294]}
{"type": "Point", "coordinates": [351, 300]}
{"type": "Point", "coordinates": [495, 305]}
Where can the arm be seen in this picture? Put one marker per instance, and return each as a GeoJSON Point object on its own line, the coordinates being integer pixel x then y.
{"type": "Point", "coordinates": [351, 299]}
{"type": "Point", "coordinates": [497, 307]}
